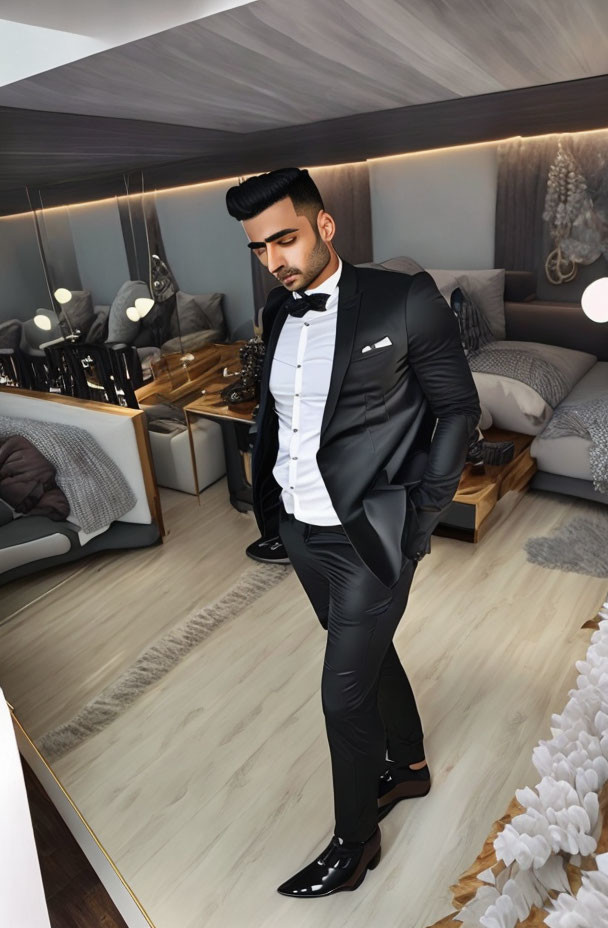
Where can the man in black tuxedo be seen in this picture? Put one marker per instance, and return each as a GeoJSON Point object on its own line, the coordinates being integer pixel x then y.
{"type": "Point", "coordinates": [367, 407]}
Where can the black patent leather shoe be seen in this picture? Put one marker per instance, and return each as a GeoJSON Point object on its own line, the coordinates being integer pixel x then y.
{"type": "Point", "coordinates": [393, 786]}
{"type": "Point", "coordinates": [339, 867]}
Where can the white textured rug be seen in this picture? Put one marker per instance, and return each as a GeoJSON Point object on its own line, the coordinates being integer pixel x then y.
{"type": "Point", "coordinates": [159, 658]}
{"type": "Point", "coordinates": [580, 546]}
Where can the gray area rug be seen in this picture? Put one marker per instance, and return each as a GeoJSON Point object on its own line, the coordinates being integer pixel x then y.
{"type": "Point", "coordinates": [580, 546]}
{"type": "Point", "coordinates": [159, 658]}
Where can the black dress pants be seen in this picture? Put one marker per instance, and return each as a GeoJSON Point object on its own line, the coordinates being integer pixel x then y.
{"type": "Point", "coordinates": [367, 700]}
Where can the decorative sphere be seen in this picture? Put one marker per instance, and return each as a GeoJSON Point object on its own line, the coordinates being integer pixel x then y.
{"type": "Point", "coordinates": [595, 300]}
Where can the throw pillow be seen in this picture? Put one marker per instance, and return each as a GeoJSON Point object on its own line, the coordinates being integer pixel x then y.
{"type": "Point", "coordinates": [120, 327]}
{"type": "Point", "coordinates": [98, 332]}
{"type": "Point", "coordinates": [474, 330]}
{"type": "Point", "coordinates": [404, 265]}
{"type": "Point", "coordinates": [79, 311]}
{"type": "Point", "coordinates": [198, 311]}
{"type": "Point", "coordinates": [485, 287]}
{"type": "Point", "coordinates": [10, 334]}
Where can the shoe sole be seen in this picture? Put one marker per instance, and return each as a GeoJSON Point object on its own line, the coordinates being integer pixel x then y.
{"type": "Point", "coordinates": [415, 790]}
{"type": "Point", "coordinates": [268, 560]}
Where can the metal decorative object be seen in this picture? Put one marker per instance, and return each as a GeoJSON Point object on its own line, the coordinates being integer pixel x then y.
{"type": "Point", "coordinates": [247, 388]}
{"type": "Point", "coordinates": [575, 227]}
{"type": "Point", "coordinates": [162, 280]}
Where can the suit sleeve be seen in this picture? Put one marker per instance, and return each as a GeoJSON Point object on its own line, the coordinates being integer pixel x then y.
{"type": "Point", "coordinates": [439, 363]}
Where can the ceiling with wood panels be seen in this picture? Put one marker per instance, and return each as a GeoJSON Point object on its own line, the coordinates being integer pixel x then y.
{"type": "Point", "coordinates": [206, 85]}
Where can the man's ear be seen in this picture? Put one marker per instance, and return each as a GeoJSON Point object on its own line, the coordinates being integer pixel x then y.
{"type": "Point", "coordinates": [326, 225]}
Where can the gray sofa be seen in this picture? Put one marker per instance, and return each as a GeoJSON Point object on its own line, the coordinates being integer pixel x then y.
{"type": "Point", "coordinates": [30, 543]}
{"type": "Point", "coordinates": [552, 334]}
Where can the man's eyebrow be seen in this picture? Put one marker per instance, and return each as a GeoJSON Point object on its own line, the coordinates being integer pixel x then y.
{"type": "Point", "coordinates": [271, 238]}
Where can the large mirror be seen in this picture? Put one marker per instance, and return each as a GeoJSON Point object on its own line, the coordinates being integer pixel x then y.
{"type": "Point", "coordinates": [172, 683]}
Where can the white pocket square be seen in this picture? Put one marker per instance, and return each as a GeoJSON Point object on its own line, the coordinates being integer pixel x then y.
{"type": "Point", "coordinates": [383, 343]}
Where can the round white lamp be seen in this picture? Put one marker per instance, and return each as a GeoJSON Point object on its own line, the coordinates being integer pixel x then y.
{"type": "Point", "coordinates": [132, 313]}
{"type": "Point", "coordinates": [62, 295]}
{"type": "Point", "coordinates": [143, 304]}
{"type": "Point", "coordinates": [43, 320]}
{"type": "Point", "coordinates": [595, 300]}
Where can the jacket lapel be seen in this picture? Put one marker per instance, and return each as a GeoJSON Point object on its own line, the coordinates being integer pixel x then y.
{"type": "Point", "coordinates": [349, 300]}
{"type": "Point", "coordinates": [271, 344]}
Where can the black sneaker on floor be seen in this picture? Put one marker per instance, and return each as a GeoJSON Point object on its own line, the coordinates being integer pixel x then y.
{"type": "Point", "coordinates": [268, 550]}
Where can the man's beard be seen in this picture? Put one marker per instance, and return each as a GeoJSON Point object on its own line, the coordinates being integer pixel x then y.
{"type": "Point", "coordinates": [319, 258]}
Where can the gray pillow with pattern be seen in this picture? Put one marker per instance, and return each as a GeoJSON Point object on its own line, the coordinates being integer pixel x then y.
{"type": "Point", "coordinates": [474, 329]}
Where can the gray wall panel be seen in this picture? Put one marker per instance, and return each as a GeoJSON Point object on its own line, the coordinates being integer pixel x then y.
{"type": "Point", "coordinates": [22, 285]}
{"type": "Point", "coordinates": [207, 248]}
{"type": "Point", "coordinates": [436, 207]}
{"type": "Point", "coordinates": [100, 249]}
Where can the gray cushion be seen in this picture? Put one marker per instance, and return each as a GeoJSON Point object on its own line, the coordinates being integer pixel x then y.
{"type": "Point", "coordinates": [486, 287]}
{"type": "Point", "coordinates": [79, 310]}
{"type": "Point", "coordinates": [33, 336]}
{"type": "Point", "coordinates": [404, 265]}
{"type": "Point", "coordinates": [198, 311]}
{"type": "Point", "coordinates": [120, 327]}
{"type": "Point", "coordinates": [474, 329]}
{"type": "Point", "coordinates": [98, 331]}
{"type": "Point", "coordinates": [10, 333]}
{"type": "Point", "coordinates": [7, 513]}
{"type": "Point", "coordinates": [28, 528]}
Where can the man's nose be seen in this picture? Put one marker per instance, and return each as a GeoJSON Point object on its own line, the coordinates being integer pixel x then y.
{"type": "Point", "coordinates": [275, 257]}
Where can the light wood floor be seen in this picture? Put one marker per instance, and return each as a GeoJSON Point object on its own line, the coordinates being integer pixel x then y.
{"type": "Point", "coordinates": [215, 786]}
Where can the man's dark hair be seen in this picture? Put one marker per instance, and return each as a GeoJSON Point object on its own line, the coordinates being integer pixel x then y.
{"type": "Point", "coordinates": [257, 193]}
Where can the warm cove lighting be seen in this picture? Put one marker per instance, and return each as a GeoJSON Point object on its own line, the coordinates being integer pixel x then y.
{"type": "Point", "coordinates": [62, 295]}
{"type": "Point", "coordinates": [595, 300]}
{"type": "Point", "coordinates": [236, 179]}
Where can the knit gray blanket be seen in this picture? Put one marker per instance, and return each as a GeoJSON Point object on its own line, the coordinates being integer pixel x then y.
{"type": "Point", "coordinates": [538, 373]}
{"type": "Point", "coordinates": [94, 485]}
{"type": "Point", "coordinates": [589, 420]}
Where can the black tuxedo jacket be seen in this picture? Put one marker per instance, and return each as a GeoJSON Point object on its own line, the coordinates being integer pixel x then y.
{"type": "Point", "coordinates": [397, 421]}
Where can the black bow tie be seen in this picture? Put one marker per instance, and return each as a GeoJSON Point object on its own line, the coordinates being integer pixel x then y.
{"type": "Point", "coordinates": [297, 307]}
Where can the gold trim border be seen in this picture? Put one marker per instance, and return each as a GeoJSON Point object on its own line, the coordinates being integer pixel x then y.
{"type": "Point", "coordinates": [82, 819]}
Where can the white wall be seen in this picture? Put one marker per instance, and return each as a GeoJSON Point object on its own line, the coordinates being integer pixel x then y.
{"type": "Point", "coordinates": [437, 207]}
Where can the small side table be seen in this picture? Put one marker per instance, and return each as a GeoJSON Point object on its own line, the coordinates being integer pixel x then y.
{"type": "Point", "coordinates": [235, 422]}
{"type": "Point", "coordinates": [467, 517]}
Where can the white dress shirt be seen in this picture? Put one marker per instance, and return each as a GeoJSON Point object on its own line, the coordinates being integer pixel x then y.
{"type": "Point", "coordinates": [299, 382]}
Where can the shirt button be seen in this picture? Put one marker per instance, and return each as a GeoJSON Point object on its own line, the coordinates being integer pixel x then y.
{"type": "Point", "coordinates": [307, 323]}
{"type": "Point", "coordinates": [296, 394]}
{"type": "Point", "coordinates": [294, 459]}
{"type": "Point", "coordinates": [291, 488]}
{"type": "Point", "coordinates": [295, 430]}
{"type": "Point", "coordinates": [298, 365]}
